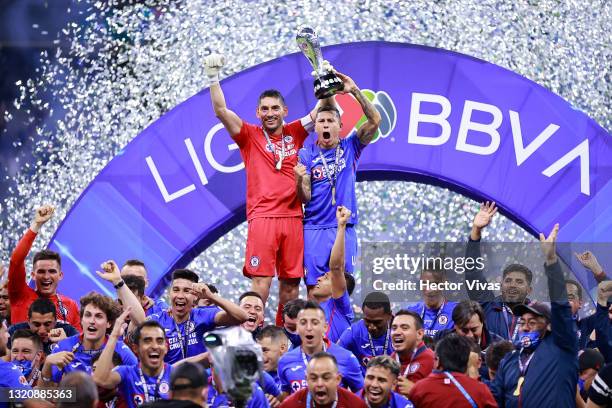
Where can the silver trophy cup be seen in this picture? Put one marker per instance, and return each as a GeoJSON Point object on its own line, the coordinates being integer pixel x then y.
{"type": "Point", "coordinates": [327, 83]}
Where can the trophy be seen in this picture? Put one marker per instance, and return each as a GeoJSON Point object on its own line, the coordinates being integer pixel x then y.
{"type": "Point", "coordinates": [327, 83]}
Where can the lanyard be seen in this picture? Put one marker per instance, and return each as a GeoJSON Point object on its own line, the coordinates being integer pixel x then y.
{"type": "Point", "coordinates": [145, 386]}
{"type": "Point", "coordinates": [523, 371]}
{"type": "Point", "coordinates": [34, 376]}
{"type": "Point", "coordinates": [183, 340]}
{"type": "Point", "coordinates": [309, 401]}
{"type": "Point", "coordinates": [460, 387]}
{"type": "Point", "coordinates": [304, 359]}
{"type": "Point", "coordinates": [387, 337]}
{"type": "Point", "coordinates": [62, 309]}
{"type": "Point", "coordinates": [512, 326]}
{"type": "Point", "coordinates": [78, 345]}
{"type": "Point", "coordinates": [332, 176]}
{"type": "Point", "coordinates": [437, 315]}
{"type": "Point", "coordinates": [414, 355]}
{"type": "Point", "coordinates": [523, 368]}
{"type": "Point", "coordinates": [279, 163]}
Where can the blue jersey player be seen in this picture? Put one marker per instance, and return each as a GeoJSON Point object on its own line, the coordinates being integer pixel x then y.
{"type": "Point", "coordinates": [185, 325]}
{"type": "Point", "coordinates": [435, 310]}
{"type": "Point", "coordinates": [311, 328]}
{"type": "Point", "coordinates": [142, 382]}
{"type": "Point", "coordinates": [333, 289]}
{"type": "Point", "coordinates": [380, 381]}
{"type": "Point", "coordinates": [75, 353]}
{"type": "Point", "coordinates": [325, 176]}
{"type": "Point", "coordinates": [370, 336]}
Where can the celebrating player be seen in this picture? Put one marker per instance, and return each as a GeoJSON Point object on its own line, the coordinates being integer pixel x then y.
{"type": "Point", "coordinates": [275, 240]}
{"type": "Point", "coordinates": [326, 176]}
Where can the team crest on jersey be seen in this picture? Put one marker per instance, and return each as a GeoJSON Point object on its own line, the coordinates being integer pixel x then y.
{"type": "Point", "coordinates": [270, 148]}
{"type": "Point", "coordinates": [22, 380]}
{"type": "Point", "coordinates": [365, 360]}
{"type": "Point", "coordinates": [163, 388]}
{"type": "Point", "coordinates": [254, 261]}
{"type": "Point", "coordinates": [297, 385]}
{"type": "Point", "coordinates": [288, 139]}
{"type": "Point", "coordinates": [413, 368]}
{"type": "Point", "coordinates": [442, 320]}
{"type": "Point", "coordinates": [317, 173]}
{"type": "Point", "coordinates": [138, 399]}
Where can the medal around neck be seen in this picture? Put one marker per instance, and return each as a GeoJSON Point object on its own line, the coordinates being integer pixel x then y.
{"type": "Point", "coordinates": [327, 83]}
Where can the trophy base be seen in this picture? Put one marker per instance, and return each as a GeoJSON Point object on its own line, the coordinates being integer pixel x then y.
{"type": "Point", "coordinates": [327, 85]}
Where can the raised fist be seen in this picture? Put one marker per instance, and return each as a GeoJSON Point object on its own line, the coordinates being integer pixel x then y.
{"type": "Point", "coordinates": [342, 215]}
{"type": "Point", "coordinates": [300, 171]}
{"type": "Point", "coordinates": [43, 214]}
{"type": "Point", "coordinates": [110, 272]}
{"type": "Point", "coordinates": [212, 65]}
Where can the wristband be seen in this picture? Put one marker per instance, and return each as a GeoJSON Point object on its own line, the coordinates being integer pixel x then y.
{"type": "Point", "coordinates": [120, 284]}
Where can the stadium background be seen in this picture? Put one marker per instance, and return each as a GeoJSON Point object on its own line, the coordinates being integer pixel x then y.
{"type": "Point", "coordinates": [81, 79]}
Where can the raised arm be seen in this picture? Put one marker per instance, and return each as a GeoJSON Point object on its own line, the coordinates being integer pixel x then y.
{"type": "Point", "coordinates": [562, 323]}
{"type": "Point", "coordinates": [104, 376]}
{"type": "Point", "coordinates": [589, 261]}
{"type": "Point", "coordinates": [17, 272]}
{"type": "Point", "coordinates": [336, 259]}
{"type": "Point", "coordinates": [481, 220]}
{"type": "Point", "coordinates": [230, 315]}
{"type": "Point", "coordinates": [368, 130]}
{"type": "Point", "coordinates": [232, 122]}
{"type": "Point", "coordinates": [129, 300]}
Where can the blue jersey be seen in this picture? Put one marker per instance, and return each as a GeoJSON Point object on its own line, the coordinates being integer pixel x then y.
{"type": "Point", "coordinates": [185, 339]}
{"type": "Point", "coordinates": [294, 339]}
{"type": "Point", "coordinates": [82, 358]}
{"type": "Point", "coordinates": [274, 375]}
{"type": "Point", "coordinates": [356, 339]}
{"type": "Point", "coordinates": [339, 315]}
{"type": "Point", "coordinates": [258, 399]}
{"type": "Point", "coordinates": [319, 212]}
{"type": "Point", "coordinates": [11, 378]}
{"type": "Point", "coordinates": [395, 401]}
{"type": "Point", "coordinates": [269, 384]}
{"type": "Point", "coordinates": [159, 305]}
{"type": "Point", "coordinates": [435, 320]}
{"type": "Point", "coordinates": [292, 369]}
{"type": "Point", "coordinates": [133, 389]}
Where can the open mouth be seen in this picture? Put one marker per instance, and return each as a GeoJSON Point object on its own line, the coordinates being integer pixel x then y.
{"type": "Point", "coordinates": [374, 393]}
{"type": "Point", "coordinates": [180, 303]}
{"type": "Point", "coordinates": [154, 357]}
{"type": "Point", "coordinates": [398, 340]}
{"type": "Point", "coordinates": [92, 329]}
{"type": "Point", "coordinates": [46, 284]}
{"type": "Point", "coordinates": [320, 394]}
{"type": "Point", "coordinates": [309, 337]}
{"type": "Point", "coordinates": [326, 135]}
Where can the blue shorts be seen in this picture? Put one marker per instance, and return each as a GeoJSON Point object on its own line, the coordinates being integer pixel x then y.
{"type": "Point", "coordinates": [318, 244]}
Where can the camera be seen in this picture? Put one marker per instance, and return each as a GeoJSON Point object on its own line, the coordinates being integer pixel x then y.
{"type": "Point", "coordinates": [237, 359]}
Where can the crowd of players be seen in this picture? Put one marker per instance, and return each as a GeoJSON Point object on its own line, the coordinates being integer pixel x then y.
{"type": "Point", "coordinates": [485, 351]}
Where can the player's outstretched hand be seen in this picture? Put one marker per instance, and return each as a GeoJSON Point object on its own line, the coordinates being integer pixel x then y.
{"type": "Point", "coordinates": [548, 245]}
